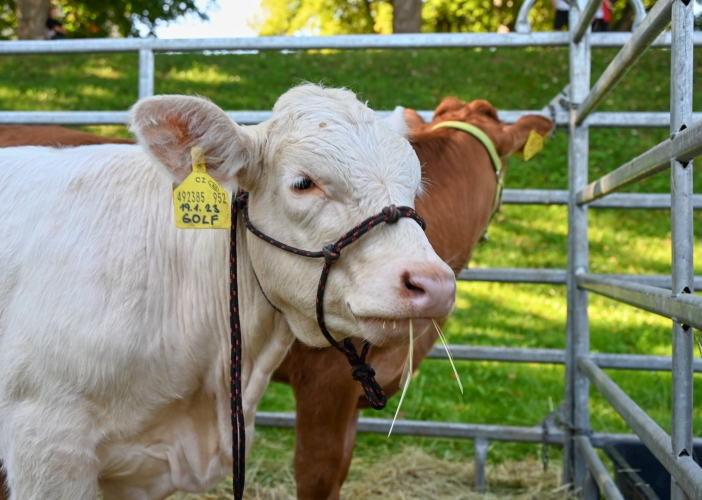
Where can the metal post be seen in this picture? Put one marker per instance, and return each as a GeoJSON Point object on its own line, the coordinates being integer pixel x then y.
{"type": "Point", "coordinates": [682, 237]}
{"type": "Point", "coordinates": [480, 445]}
{"type": "Point", "coordinates": [146, 73]}
{"type": "Point", "coordinates": [577, 334]}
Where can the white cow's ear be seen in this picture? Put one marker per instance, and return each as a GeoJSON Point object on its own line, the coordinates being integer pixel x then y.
{"type": "Point", "coordinates": [169, 126]}
{"type": "Point", "coordinates": [396, 121]}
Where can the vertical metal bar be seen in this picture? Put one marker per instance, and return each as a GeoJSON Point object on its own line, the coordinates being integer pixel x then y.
{"type": "Point", "coordinates": [480, 446]}
{"type": "Point", "coordinates": [682, 232]}
{"type": "Point", "coordinates": [578, 334]}
{"type": "Point", "coordinates": [146, 73]}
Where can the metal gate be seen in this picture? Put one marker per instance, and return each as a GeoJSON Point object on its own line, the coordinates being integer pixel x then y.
{"type": "Point", "coordinates": [574, 110]}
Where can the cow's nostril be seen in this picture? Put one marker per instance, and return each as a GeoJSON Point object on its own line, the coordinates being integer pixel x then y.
{"type": "Point", "coordinates": [412, 287]}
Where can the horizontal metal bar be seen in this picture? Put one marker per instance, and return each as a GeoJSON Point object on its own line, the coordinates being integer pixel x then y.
{"type": "Point", "coordinates": [616, 200]}
{"type": "Point", "coordinates": [654, 23]}
{"type": "Point", "coordinates": [585, 19]}
{"type": "Point", "coordinates": [431, 429]}
{"type": "Point", "coordinates": [639, 362]}
{"type": "Point", "coordinates": [344, 42]}
{"type": "Point", "coordinates": [684, 146]}
{"type": "Point", "coordinates": [602, 120]}
{"type": "Point", "coordinates": [685, 471]}
{"type": "Point", "coordinates": [64, 117]}
{"type": "Point", "coordinates": [513, 275]}
{"type": "Point", "coordinates": [556, 357]}
{"type": "Point", "coordinates": [597, 469]}
{"type": "Point", "coordinates": [535, 197]}
{"type": "Point", "coordinates": [614, 40]}
{"type": "Point", "coordinates": [244, 117]}
{"type": "Point", "coordinates": [454, 430]}
{"type": "Point", "coordinates": [503, 354]}
{"type": "Point", "coordinates": [557, 276]}
{"type": "Point", "coordinates": [685, 308]}
{"type": "Point", "coordinates": [634, 119]}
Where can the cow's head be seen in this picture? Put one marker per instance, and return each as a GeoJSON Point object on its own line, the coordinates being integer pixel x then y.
{"type": "Point", "coordinates": [323, 163]}
{"type": "Point", "coordinates": [508, 139]}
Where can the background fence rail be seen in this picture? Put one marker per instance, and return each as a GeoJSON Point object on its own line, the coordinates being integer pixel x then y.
{"type": "Point", "coordinates": [650, 292]}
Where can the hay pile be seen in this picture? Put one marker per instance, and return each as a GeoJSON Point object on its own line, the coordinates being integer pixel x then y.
{"type": "Point", "coordinates": [412, 475]}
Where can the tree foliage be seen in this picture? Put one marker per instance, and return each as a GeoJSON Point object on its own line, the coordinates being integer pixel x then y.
{"type": "Point", "coordinates": [482, 15]}
{"type": "Point", "coordinates": [101, 18]}
{"type": "Point", "coordinates": [335, 17]}
{"type": "Point", "coordinates": [324, 17]}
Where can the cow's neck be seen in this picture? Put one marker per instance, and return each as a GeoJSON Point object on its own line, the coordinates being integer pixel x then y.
{"type": "Point", "coordinates": [266, 337]}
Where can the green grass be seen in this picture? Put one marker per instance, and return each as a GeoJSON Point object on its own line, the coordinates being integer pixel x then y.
{"type": "Point", "coordinates": [522, 236]}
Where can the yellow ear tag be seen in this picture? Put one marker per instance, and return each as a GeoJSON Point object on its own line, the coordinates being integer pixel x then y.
{"type": "Point", "coordinates": [199, 202]}
{"type": "Point", "coordinates": [534, 144]}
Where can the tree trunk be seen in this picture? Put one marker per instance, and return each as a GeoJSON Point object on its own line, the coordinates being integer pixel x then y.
{"type": "Point", "coordinates": [626, 22]}
{"type": "Point", "coordinates": [407, 16]}
{"type": "Point", "coordinates": [31, 19]}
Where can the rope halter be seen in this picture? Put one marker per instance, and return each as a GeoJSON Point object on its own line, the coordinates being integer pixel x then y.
{"type": "Point", "coordinates": [360, 369]}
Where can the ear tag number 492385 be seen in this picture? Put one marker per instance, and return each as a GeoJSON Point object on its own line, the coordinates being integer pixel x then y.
{"type": "Point", "coordinates": [199, 202]}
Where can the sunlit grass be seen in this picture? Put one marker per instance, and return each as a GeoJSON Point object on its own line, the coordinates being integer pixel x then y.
{"type": "Point", "coordinates": [621, 241]}
{"type": "Point", "coordinates": [209, 75]}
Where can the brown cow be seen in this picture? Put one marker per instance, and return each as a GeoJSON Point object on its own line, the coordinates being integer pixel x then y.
{"type": "Point", "coordinates": [460, 189]}
{"type": "Point", "coordinates": [51, 135]}
{"type": "Point", "coordinates": [457, 206]}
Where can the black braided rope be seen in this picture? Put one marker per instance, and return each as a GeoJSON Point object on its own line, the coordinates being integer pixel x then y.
{"type": "Point", "coordinates": [360, 369]}
{"type": "Point", "coordinates": [237, 408]}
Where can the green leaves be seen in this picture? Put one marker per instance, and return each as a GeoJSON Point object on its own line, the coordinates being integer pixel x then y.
{"type": "Point", "coordinates": [105, 18]}
{"type": "Point", "coordinates": [336, 17]}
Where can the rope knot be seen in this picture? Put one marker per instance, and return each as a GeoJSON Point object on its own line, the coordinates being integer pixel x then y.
{"type": "Point", "coordinates": [331, 255]}
{"type": "Point", "coordinates": [392, 213]}
{"type": "Point", "coordinates": [359, 372]}
{"type": "Point", "coordinates": [243, 197]}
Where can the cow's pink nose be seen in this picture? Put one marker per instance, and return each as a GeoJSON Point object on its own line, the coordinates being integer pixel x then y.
{"type": "Point", "coordinates": [431, 291]}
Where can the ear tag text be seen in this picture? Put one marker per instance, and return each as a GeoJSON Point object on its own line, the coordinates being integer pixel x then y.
{"type": "Point", "coordinates": [199, 202]}
{"type": "Point", "coordinates": [534, 144]}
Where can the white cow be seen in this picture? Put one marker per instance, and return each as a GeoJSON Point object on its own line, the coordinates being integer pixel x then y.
{"type": "Point", "coordinates": [114, 333]}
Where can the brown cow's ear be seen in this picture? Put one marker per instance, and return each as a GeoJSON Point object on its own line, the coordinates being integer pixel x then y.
{"type": "Point", "coordinates": [517, 134]}
{"type": "Point", "coordinates": [413, 118]}
{"type": "Point", "coordinates": [482, 107]}
{"type": "Point", "coordinates": [448, 105]}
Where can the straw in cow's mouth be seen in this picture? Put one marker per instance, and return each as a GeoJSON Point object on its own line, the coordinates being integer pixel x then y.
{"type": "Point", "coordinates": [407, 371]}
{"type": "Point", "coordinates": [448, 353]}
{"type": "Point", "coordinates": [406, 375]}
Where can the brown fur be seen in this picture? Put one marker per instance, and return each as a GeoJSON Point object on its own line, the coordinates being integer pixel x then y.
{"type": "Point", "coordinates": [460, 189]}
{"type": "Point", "coordinates": [51, 135]}
{"type": "Point", "coordinates": [459, 194]}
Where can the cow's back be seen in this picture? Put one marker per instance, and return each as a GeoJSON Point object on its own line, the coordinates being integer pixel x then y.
{"type": "Point", "coordinates": [51, 135]}
{"type": "Point", "coordinates": [92, 281]}
{"type": "Point", "coordinates": [460, 188]}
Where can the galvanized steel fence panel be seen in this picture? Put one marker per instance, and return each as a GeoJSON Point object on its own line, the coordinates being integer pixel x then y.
{"type": "Point", "coordinates": [582, 467]}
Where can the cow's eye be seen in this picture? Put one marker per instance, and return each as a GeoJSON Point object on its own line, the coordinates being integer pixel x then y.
{"type": "Point", "coordinates": [303, 184]}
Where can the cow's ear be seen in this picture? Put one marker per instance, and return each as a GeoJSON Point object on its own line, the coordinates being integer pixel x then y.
{"type": "Point", "coordinates": [169, 126]}
{"type": "Point", "coordinates": [413, 119]}
{"type": "Point", "coordinates": [514, 137]}
{"type": "Point", "coordinates": [448, 105]}
{"type": "Point", "coordinates": [396, 121]}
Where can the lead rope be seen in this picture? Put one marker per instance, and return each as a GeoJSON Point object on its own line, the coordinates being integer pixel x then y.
{"type": "Point", "coordinates": [237, 408]}
{"type": "Point", "coordinates": [360, 369]}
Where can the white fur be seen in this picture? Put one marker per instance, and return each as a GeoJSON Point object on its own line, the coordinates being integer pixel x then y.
{"type": "Point", "coordinates": [114, 333]}
{"type": "Point", "coordinates": [396, 121]}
